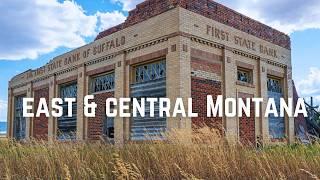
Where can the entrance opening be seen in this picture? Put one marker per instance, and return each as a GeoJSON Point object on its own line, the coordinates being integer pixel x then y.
{"type": "Point", "coordinates": [19, 125]}
{"type": "Point", "coordinates": [108, 129]}
{"type": "Point", "coordinates": [67, 126]}
{"type": "Point", "coordinates": [276, 124]}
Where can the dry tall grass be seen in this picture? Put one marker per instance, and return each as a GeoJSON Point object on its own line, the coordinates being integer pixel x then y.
{"type": "Point", "coordinates": [203, 158]}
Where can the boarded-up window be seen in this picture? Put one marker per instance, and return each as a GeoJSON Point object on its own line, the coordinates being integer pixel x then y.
{"type": "Point", "coordinates": [102, 83]}
{"type": "Point", "coordinates": [244, 75]}
{"type": "Point", "coordinates": [276, 124]}
{"type": "Point", "coordinates": [150, 81]}
{"type": "Point", "coordinates": [19, 126]}
{"type": "Point", "coordinates": [67, 126]}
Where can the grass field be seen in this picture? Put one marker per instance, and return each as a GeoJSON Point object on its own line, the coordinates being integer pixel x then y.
{"type": "Point", "coordinates": [208, 157]}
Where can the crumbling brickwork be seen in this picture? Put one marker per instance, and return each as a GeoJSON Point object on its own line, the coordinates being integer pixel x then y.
{"type": "Point", "coordinates": [95, 125]}
{"type": "Point", "coordinates": [207, 8]}
{"type": "Point", "coordinates": [40, 124]}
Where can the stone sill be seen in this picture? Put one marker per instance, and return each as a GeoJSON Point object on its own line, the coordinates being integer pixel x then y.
{"type": "Point", "coordinates": [240, 83]}
{"type": "Point", "coordinates": [101, 92]}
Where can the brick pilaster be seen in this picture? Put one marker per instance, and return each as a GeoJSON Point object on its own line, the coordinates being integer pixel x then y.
{"type": "Point", "coordinates": [229, 76]}
{"type": "Point", "coordinates": [52, 122]}
{"type": "Point", "coordinates": [81, 92]}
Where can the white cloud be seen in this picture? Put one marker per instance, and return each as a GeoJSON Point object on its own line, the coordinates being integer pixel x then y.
{"type": "Point", "coordinates": [110, 19]}
{"type": "Point", "coordinates": [285, 15]}
{"type": "Point", "coordinates": [3, 110]}
{"type": "Point", "coordinates": [33, 27]}
{"type": "Point", "coordinates": [310, 86]}
{"type": "Point", "coordinates": [128, 5]}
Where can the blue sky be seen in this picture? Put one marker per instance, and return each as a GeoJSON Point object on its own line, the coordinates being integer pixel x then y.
{"type": "Point", "coordinates": [33, 32]}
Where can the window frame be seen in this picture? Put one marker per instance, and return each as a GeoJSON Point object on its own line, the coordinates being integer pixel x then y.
{"type": "Point", "coordinates": [17, 133]}
{"type": "Point", "coordinates": [245, 70]}
{"type": "Point", "coordinates": [91, 80]}
{"type": "Point", "coordinates": [58, 136]}
{"type": "Point", "coordinates": [281, 82]}
{"type": "Point", "coordinates": [153, 61]}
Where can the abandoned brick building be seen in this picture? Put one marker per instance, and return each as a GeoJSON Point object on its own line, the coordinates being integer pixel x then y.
{"type": "Point", "coordinates": [165, 48]}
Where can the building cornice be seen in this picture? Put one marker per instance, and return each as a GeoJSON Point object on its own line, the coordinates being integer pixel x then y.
{"type": "Point", "coordinates": [144, 45]}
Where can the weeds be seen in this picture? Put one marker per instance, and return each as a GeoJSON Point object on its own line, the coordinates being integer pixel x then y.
{"type": "Point", "coordinates": [207, 156]}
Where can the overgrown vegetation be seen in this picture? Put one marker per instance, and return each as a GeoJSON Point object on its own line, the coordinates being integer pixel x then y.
{"type": "Point", "coordinates": [206, 157]}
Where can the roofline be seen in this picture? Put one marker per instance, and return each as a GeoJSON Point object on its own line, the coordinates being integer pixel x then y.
{"type": "Point", "coordinates": [209, 9]}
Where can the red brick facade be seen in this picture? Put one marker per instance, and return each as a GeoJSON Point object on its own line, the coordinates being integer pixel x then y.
{"type": "Point", "coordinates": [247, 124]}
{"type": "Point", "coordinates": [200, 88]}
{"type": "Point", "coordinates": [95, 125]}
{"type": "Point", "coordinates": [40, 124]}
{"type": "Point", "coordinates": [206, 66]}
{"type": "Point", "coordinates": [207, 8]}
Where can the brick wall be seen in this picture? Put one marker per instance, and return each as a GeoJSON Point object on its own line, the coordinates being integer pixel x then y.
{"type": "Point", "coordinates": [40, 124]}
{"type": "Point", "coordinates": [206, 80]}
{"type": "Point", "coordinates": [201, 65]}
{"type": "Point", "coordinates": [207, 8]}
{"type": "Point", "coordinates": [200, 88]}
{"type": "Point", "coordinates": [95, 125]}
{"type": "Point", "coordinates": [247, 124]}
{"type": "Point", "coordinates": [206, 65]}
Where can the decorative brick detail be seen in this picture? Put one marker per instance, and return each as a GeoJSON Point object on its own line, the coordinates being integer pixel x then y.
{"type": "Point", "coordinates": [228, 60]}
{"type": "Point", "coordinates": [275, 73]}
{"type": "Point", "coordinates": [247, 124]}
{"type": "Point", "coordinates": [200, 88]}
{"type": "Point", "coordinates": [173, 48]}
{"type": "Point", "coordinates": [35, 88]}
{"type": "Point", "coordinates": [249, 85]}
{"type": "Point", "coordinates": [244, 65]}
{"type": "Point", "coordinates": [20, 93]}
{"type": "Point", "coordinates": [40, 124]}
{"type": "Point", "coordinates": [95, 125]}
{"type": "Point", "coordinates": [206, 62]}
{"type": "Point", "coordinates": [66, 80]}
{"type": "Point", "coordinates": [206, 66]}
{"type": "Point", "coordinates": [148, 57]}
{"type": "Point", "coordinates": [185, 48]}
{"type": "Point", "coordinates": [206, 8]}
{"type": "Point", "coordinates": [101, 70]}
{"type": "Point", "coordinates": [203, 55]}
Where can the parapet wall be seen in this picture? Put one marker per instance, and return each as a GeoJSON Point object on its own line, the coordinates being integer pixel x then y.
{"type": "Point", "coordinates": [207, 8]}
